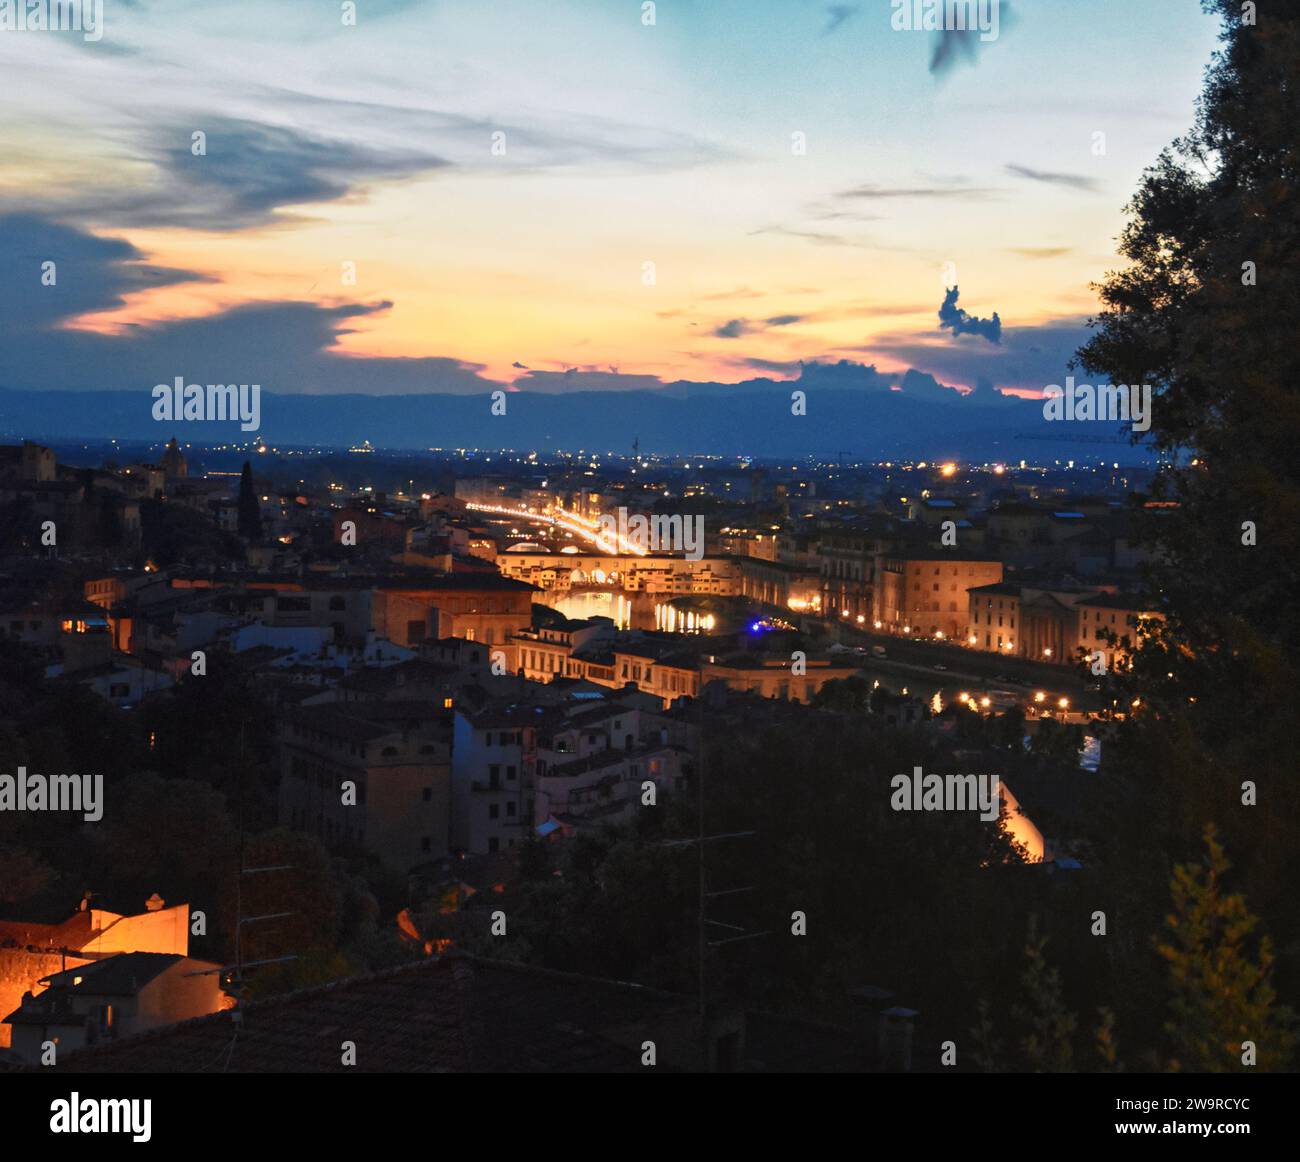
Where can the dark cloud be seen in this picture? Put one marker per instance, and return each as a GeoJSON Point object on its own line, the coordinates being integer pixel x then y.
{"type": "Point", "coordinates": [249, 175]}
{"type": "Point", "coordinates": [1068, 180]}
{"type": "Point", "coordinates": [585, 379]}
{"type": "Point", "coordinates": [986, 395]}
{"type": "Point", "coordinates": [253, 172]}
{"type": "Point", "coordinates": [284, 346]}
{"type": "Point", "coordinates": [962, 45]}
{"type": "Point", "coordinates": [953, 317]}
{"type": "Point", "coordinates": [870, 191]}
{"type": "Point", "coordinates": [836, 15]}
{"type": "Point", "coordinates": [735, 328]}
{"type": "Point", "coordinates": [1026, 358]}
{"type": "Point", "coordinates": [90, 273]}
{"type": "Point", "coordinates": [731, 330]}
{"type": "Point", "coordinates": [779, 366]}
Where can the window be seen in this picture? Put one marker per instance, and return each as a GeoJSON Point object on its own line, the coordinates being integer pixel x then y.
{"type": "Point", "coordinates": [426, 844]}
{"type": "Point", "coordinates": [493, 845]}
{"type": "Point", "coordinates": [510, 809]}
{"type": "Point", "coordinates": [494, 810]}
{"type": "Point", "coordinates": [427, 794]}
{"type": "Point", "coordinates": [337, 604]}
{"type": "Point", "coordinates": [510, 772]}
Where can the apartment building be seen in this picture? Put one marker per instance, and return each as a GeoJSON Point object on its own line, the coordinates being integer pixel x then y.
{"type": "Point", "coordinates": [375, 775]}
{"type": "Point", "coordinates": [493, 778]}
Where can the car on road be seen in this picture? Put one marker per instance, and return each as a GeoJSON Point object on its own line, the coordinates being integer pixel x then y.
{"type": "Point", "coordinates": [879, 651]}
{"type": "Point", "coordinates": [939, 666]}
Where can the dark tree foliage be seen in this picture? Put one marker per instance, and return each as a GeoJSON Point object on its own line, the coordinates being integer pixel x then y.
{"type": "Point", "coordinates": [1206, 312]}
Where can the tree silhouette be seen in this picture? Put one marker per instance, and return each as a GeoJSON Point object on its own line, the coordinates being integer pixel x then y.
{"type": "Point", "coordinates": [250, 512]}
{"type": "Point", "coordinates": [1212, 286]}
{"type": "Point", "coordinates": [1222, 996]}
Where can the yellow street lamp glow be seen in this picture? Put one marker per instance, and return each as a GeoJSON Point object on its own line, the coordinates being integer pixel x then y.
{"type": "Point", "coordinates": [985, 701]}
{"type": "Point", "coordinates": [1039, 696]}
{"type": "Point", "coordinates": [1064, 703]}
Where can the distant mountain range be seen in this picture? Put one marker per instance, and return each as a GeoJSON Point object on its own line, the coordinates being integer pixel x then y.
{"type": "Point", "coordinates": [868, 418]}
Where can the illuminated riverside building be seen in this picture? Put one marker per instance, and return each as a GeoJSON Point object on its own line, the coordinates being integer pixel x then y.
{"type": "Point", "coordinates": [926, 593]}
{"type": "Point", "coordinates": [1054, 624]}
{"type": "Point", "coordinates": [718, 576]}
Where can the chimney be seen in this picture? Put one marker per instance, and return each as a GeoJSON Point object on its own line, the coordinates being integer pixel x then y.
{"type": "Point", "coordinates": [155, 903]}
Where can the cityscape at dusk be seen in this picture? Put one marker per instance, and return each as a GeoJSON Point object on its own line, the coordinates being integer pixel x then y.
{"type": "Point", "coordinates": [618, 537]}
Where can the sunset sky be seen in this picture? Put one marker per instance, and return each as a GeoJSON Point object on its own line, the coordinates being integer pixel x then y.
{"type": "Point", "coordinates": [625, 144]}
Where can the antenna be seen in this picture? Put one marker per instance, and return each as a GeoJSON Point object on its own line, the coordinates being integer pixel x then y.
{"type": "Point", "coordinates": [700, 842]}
{"type": "Point", "coordinates": [235, 986]}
